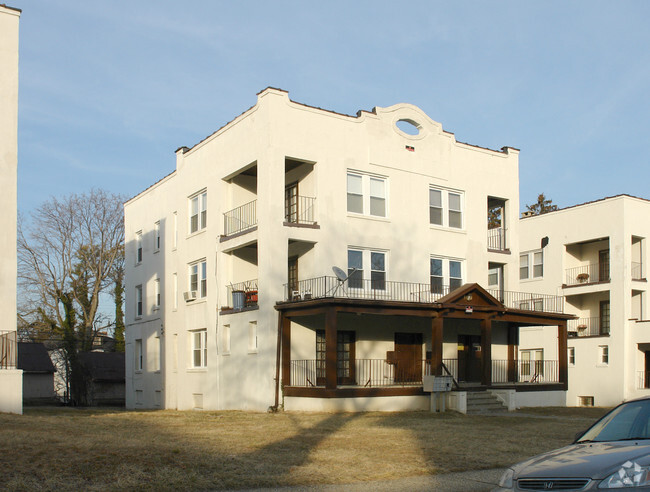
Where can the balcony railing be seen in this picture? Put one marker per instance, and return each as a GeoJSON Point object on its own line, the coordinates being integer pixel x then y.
{"type": "Point", "coordinates": [8, 349]}
{"type": "Point", "coordinates": [240, 219]}
{"type": "Point", "coordinates": [587, 327]}
{"type": "Point", "coordinates": [300, 210]}
{"type": "Point", "coordinates": [243, 294]}
{"type": "Point", "coordinates": [587, 274]}
{"type": "Point", "coordinates": [637, 270]}
{"type": "Point", "coordinates": [374, 373]}
{"type": "Point", "coordinates": [386, 290]}
{"type": "Point", "coordinates": [496, 239]}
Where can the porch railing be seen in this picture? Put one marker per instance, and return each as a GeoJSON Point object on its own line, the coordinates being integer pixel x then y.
{"type": "Point", "coordinates": [526, 371]}
{"type": "Point", "coordinates": [8, 349]}
{"type": "Point", "coordinates": [587, 274]}
{"type": "Point", "coordinates": [243, 294]}
{"type": "Point", "coordinates": [301, 211]}
{"type": "Point", "coordinates": [379, 289]}
{"type": "Point", "coordinates": [496, 239]}
{"type": "Point", "coordinates": [240, 219]}
{"type": "Point", "coordinates": [586, 327]}
{"type": "Point", "coordinates": [637, 270]}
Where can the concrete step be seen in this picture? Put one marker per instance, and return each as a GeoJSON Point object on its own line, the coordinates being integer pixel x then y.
{"type": "Point", "coordinates": [484, 402]}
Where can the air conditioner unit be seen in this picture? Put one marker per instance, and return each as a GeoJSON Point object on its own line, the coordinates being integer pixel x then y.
{"type": "Point", "coordinates": [190, 295]}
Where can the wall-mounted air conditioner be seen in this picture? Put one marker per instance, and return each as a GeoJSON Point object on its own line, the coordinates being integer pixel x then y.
{"type": "Point", "coordinates": [190, 295]}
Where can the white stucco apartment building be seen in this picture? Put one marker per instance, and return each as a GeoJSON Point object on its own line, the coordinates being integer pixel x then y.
{"type": "Point", "coordinates": [595, 255]}
{"type": "Point", "coordinates": [11, 383]}
{"type": "Point", "coordinates": [231, 300]}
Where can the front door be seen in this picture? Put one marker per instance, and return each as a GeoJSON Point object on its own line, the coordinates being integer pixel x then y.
{"type": "Point", "coordinates": [495, 280]}
{"type": "Point", "coordinates": [408, 357]}
{"type": "Point", "coordinates": [345, 358]}
{"type": "Point", "coordinates": [470, 358]}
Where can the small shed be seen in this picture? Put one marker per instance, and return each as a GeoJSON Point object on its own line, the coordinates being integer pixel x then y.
{"type": "Point", "coordinates": [38, 374]}
{"type": "Point", "coordinates": [104, 375]}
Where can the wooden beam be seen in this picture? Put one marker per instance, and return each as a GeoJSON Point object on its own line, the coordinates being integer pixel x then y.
{"type": "Point", "coordinates": [513, 345]}
{"type": "Point", "coordinates": [486, 351]}
{"type": "Point", "coordinates": [563, 356]}
{"type": "Point", "coordinates": [330, 348]}
{"type": "Point", "coordinates": [436, 346]}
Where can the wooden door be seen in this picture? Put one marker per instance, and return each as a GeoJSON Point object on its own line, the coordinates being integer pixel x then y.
{"type": "Point", "coordinates": [345, 357]}
{"type": "Point", "coordinates": [470, 358]}
{"type": "Point", "coordinates": [291, 203]}
{"type": "Point", "coordinates": [603, 265]}
{"type": "Point", "coordinates": [408, 357]}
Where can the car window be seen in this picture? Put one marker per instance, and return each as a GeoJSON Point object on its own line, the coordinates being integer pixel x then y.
{"type": "Point", "coordinates": [627, 421]}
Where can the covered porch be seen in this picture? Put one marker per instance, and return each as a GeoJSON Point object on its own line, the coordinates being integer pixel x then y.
{"type": "Point", "coordinates": [344, 347]}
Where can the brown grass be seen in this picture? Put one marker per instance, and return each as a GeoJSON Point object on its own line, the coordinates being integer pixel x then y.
{"type": "Point", "coordinates": [72, 449]}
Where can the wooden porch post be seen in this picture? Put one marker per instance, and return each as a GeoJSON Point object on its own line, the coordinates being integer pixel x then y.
{"type": "Point", "coordinates": [436, 346]}
{"type": "Point", "coordinates": [286, 349]}
{"type": "Point", "coordinates": [513, 344]}
{"type": "Point", "coordinates": [486, 350]}
{"type": "Point", "coordinates": [563, 356]}
{"type": "Point", "coordinates": [330, 348]}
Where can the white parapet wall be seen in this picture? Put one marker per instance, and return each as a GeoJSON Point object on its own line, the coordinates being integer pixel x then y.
{"type": "Point", "coordinates": [11, 391]}
{"type": "Point", "coordinates": [541, 399]}
{"type": "Point", "coordinates": [368, 404]}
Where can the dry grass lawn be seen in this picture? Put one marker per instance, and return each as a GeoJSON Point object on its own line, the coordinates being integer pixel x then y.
{"type": "Point", "coordinates": [90, 449]}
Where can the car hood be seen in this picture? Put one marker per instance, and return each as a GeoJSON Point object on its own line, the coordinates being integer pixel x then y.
{"type": "Point", "coordinates": [595, 460]}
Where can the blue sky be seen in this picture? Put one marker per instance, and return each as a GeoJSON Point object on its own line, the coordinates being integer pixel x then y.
{"type": "Point", "coordinates": [108, 90]}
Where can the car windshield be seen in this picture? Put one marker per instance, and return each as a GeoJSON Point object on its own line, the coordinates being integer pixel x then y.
{"type": "Point", "coordinates": [628, 421]}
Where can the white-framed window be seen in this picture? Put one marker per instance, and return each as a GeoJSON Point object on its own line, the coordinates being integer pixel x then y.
{"type": "Point", "coordinates": [138, 355]}
{"type": "Point", "coordinates": [199, 348]}
{"type": "Point", "coordinates": [198, 211]}
{"type": "Point", "coordinates": [156, 236]}
{"type": "Point", "coordinates": [445, 272]}
{"type": "Point", "coordinates": [138, 301]}
{"type": "Point", "coordinates": [138, 247]}
{"type": "Point", "coordinates": [252, 336]}
{"type": "Point", "coordinates": [367, 265]}
{"type": "Point", "coordinates": [572, 356]}
{"type": "Point", "coordinates": [534, 304]}
{"type": "Point", "coordinates": [446, 207]}
{"type": "Point", "coordinates": [156, 293]}
{"type": "Point", "coordinates": [198, 278]}
{"type": "Point", "coordinates": [367, 194]}
{"type": "Point", "coordinates": [531, 264]}
{"type": "Point", "coordinates": [532, 362]}
{"type": "Point", "coordinates": [603, 355]}
{"type": "Point", "coordinates": [225, 340]}
{"type": "Point", "coordinates": [175, 290]}
{"type": "Point", "coordinates": [175, 235]}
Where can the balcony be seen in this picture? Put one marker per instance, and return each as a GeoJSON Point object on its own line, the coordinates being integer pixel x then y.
{"type": "Point", "coordinates": [8, 349]}
{"type": "Point", "coordinates": [637, 270]}
{"type": "Point", "coordinates": [240, 219]}
{"type": "Point", "coordinates": [384, 290]}
{"type": "Point", "coordinates": [587, 327]}
{"type": "Point", "coordinates": [587, 274]}
{"type": "Point", "coordinates": [496, 239]}
{"type": "Point", "coordinates": [299, 210]}
{"type": "Point", "coordinates": [241, 296]}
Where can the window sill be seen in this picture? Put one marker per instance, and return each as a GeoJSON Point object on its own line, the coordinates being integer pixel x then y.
{"type": "Point", "coordinates": [437, 227]}
{"type": "Point", "coordinates": [197, 369]}
{"type": "Point", "coordinates": [353, 215]}
{"type": "Point", "coordinates": [137, 318]}
{"type": "Point", "coordinates": [198, 300]}
{"type": "Point", "coordinates": [197, 233]}
{"type": "Point", "coordinates": [534, 279]}
{"type": "Point", "coordinates": [252, 352]}
{"type": "Point", "coordinates": [226, 354]}
{"type": "Point", "coordinates": [602, 365]}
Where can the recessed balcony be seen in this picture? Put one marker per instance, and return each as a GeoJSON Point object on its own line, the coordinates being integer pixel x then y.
{"type": "Point", "coordinates": [592, 273]}
{"type": "Point", "coordinates": [241, 219]}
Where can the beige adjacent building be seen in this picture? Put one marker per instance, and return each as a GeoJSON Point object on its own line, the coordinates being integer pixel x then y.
{"type": "Point", "coordinates": [10, 377]}
{"type": "Point", "coordinates": [231, 297]}
{"type": "Point", "coordinates": [595, 256]}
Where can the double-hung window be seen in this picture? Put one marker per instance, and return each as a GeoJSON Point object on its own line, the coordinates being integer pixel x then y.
{"type": "Point", "coordinates": [199, 348]}
{"type": "Point", "coordinates": [138, 247]}
{"type": "Point", "coordinates": [603, 355]}
{"type": "Point", "coordinates": [138, 355]}
{"type": "Point", "coordinates": [531, 265]}
{"type": "Point", "coordinates": [156, 292]}
{"type": "Point", "coordinates": [445, 272]}
{"type": "Point", "coordinates": [156, 236]}
{"type": "Point", "coordinates": [198, 211]}
{"type": "Point", "coordinates": [446, 208]}
{"type": "Point", "coordinates": [198, 278]}
{"type": "Point", "coordinates": [138, 301]}
{"type": "Point", "coordinates": [376, 273]}
{"type": "Point", "coordinates": [367, 194]}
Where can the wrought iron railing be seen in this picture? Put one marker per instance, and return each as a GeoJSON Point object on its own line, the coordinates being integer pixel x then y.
{"type": "Point", "coordinates": [243, 294]}
{"type": "Point", "coordinates": [525, 371]}
{"type": "Point", "coordinates": [300, 211]}
{"type": "Point", "coordinates": [496, 239]}
{"type": "Point", "coordinates": [8, 349]}
{"type": "Point", "coordinates": [240, 219]}
{"type": "Point", "coordinates": [529, 301]}
{"type": "Point", "coordinates": [587, 274]}
{"type": "Point", "coordinates": [587, 327]}
{"type": "Point", "coordinates": [637, 270]}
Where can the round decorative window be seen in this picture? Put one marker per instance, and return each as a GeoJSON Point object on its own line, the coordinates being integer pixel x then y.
{"type": "Point", "coordinates": [409, 127]}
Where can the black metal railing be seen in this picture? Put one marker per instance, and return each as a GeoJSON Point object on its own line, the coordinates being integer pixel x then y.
{"type": "Point", "coordinates": [243, 294]}
{"type": "Point", "coordinates": [8, 349]}
{"type": "Point", "coordinates": [525, 371]}
{"type": "Point", "coordinates": [587, 274]}
{"type": "Point", "coordinates": [240, 219]}
{"type": "Point", "coordinates": [300, 211]}
{"type": "Point", "coordinates": [587, 327]}
{"type": "Point", "coordinates": [496, 239]}
{"type": "Point", "coordinates": [529, 301]}
{"type": "Point", "coordinates": [637, 270]}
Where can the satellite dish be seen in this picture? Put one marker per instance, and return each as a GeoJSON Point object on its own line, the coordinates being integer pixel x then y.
{"type": "Point", "coordinates": [340, 274]}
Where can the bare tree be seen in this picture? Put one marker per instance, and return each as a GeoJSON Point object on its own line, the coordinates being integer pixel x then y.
{"type": "Point", "coordinates": [66, 258]}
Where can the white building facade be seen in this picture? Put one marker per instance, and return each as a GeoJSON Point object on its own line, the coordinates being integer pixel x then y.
{"type": "Point", "coordinates": [594, 255]}
{"type": "Point", "coordinates": [230, 298]}
{"type": "Point", "coordinates": [10, 378]}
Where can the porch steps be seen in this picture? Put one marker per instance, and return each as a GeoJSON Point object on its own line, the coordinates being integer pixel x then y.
{"type": "Point", "coordinates": [484, 402]}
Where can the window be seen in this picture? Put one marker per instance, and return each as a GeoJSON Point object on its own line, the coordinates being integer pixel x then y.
{"type": "Point", "coordinates": [156, 291]}
{"type": "Point", "coordinates": [604, 317]}
{"type": "Point", "coordinates": [445, 272]}
{"type": "Point", "coordinates": [377, 261]}
{"type": "Point", "coordinates": [534, 259]}
{"type": "Point", "coordinates": [603, 355]}
{"type": "Point", "coordinates": [198, 212]}
{"type": "Point", "coordinates": [139, 358]}
{"type": "Point", "coordinates": [138, 301]}
{"type": "Point", "coordinates": [175, 288]}
{"type": "Point", "coordinates": [198, 278]}
{"type": "Point", "coordinates": [572, 356]}
{"type": "Point", "coordinates": [451, 201]}
{"type": "Point", "coordinates": [532, 362]}
{"type": "Point", "coordinates": [138, 247]}
{"type": "Point", "coordinates": [199, 348]}
{"type": "Point", "coordinates": [175, 237]}
{"type": "Point", "coordinates": [156, 237]}
{"type": "Point", "coordinates": [252, 336]}
{"type": "Point", "coordinates": [320, 357]}
{"type": "Point", "coordinates": [367, 194]}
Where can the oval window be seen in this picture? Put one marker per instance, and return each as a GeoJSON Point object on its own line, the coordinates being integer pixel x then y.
{"type": "Point", "coordinates": [408, 126]}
